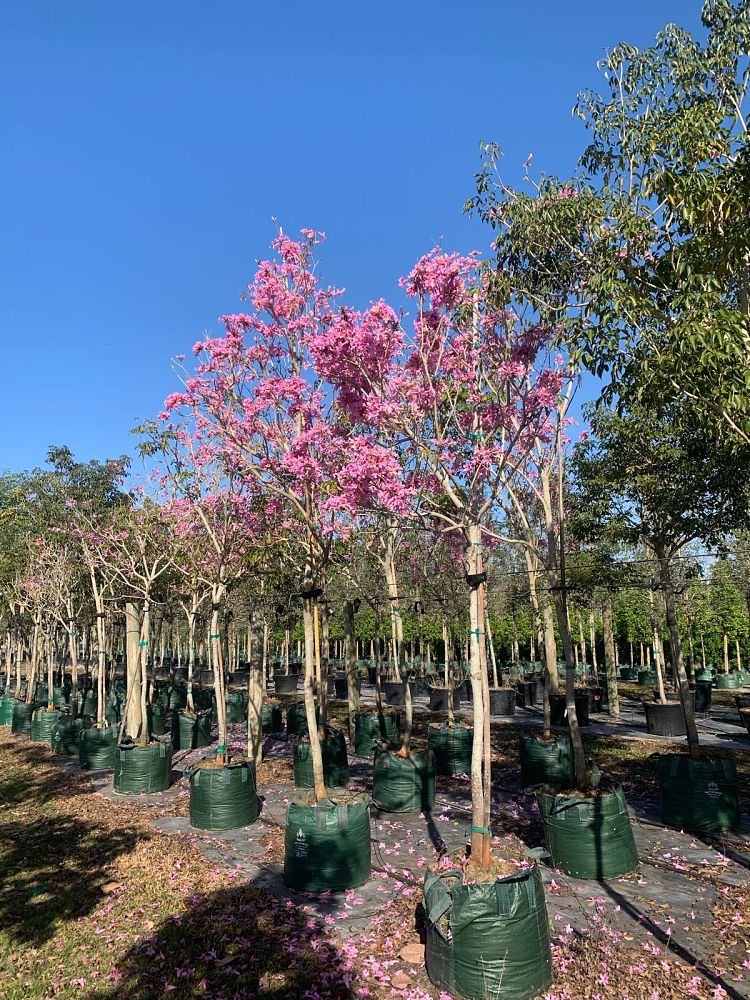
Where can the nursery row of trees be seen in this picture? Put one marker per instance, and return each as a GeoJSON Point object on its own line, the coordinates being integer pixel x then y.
{"type": "Point", "coordinates": [416, 464]}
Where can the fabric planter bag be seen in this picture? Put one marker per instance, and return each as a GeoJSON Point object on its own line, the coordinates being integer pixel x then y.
{"type": "Point", "coordinates": [327, 844]}
{"type": "Point", "coordinates": [66, 735]}
{"type": "Point", "coordinates": [335, 762]}
{"type": "Point", "coordinates": [96, 748]}
{"type": "Point", "coordinates": [589, 837]}
{"type": "Point", "coordinates": [403, 784]}
{"type": "Point", "coordinates": [191, 731]}
{"type": "Point", "coordinates": [452, 748]}
{"type": "Point", "coordinates": [157, 719]}
{"type": "Point", "coordinates": [296, 719]}
{"type": "Point", "coordinates": [42, 724]}
{"type": "Point", "coordinates": [271, 719]}
{"type": "Point", "coordinates": [21, 719]}
{"type": "Point", "coordinates": [372, 729]}
{"type": "Point", "coordinates": [223, 798]}
{"type": "Point", "coordinates": [546, 762]}
{"type": "Point", "coordinates": [488, 939]}
{"type": "Point", "coordinates": [6, 711]}
{"type": "Point", "coordinates": [142, 769]}
{"type": "Point", "coordinates": [726, 682]}
{"type": "Point", "coordinates": [698, 795]}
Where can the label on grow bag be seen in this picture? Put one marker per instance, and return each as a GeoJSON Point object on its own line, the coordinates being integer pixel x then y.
{"type": "Point", "coordinates": [300, 845]}
{"type": "Point", "coordinates": [712, 790]}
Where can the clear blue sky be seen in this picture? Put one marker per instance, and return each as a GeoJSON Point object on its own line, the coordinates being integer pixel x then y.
{"type": "Point", "coordinates": [146, 148]}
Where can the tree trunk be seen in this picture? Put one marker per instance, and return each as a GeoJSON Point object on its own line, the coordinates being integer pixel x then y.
{"type": "Point", "coordinates": [658, 660]}
{"type": "Point", "coordinates": [312, 726]}
{"type": "Point", "coordinates": [665, 573]}
{"type": "Point", "coordinates": [255, 696]}
{"type": "Point", "coordinates": [592, 642]}
{"type": "Point", "coordinates": [610, 666]}
{"type": "Point", "coordinates": [352, 674]}
{"type": "Point", "coordinates": [217, 659]}
{"type": "Point", "coordinates": [550, 646]}
{"type": "Point", "coordinates": [481, 837]}
{"type": "Point", "coordinates": [131, 718]}
{"type": "Point", "coordinates": [726, 653]}
{"type": "Point", "coordinates": [143, 646]}
{"type": "Point", "coordinates": [491, 645]}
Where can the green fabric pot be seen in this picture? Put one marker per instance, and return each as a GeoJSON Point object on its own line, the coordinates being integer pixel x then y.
{"type": "Point", "coordinates": [142, 769]}
{"type": "Point", "coordinates": [88, 703]}
{"type": "Point", "coordinates": [296, 719]}
{"type": "Point", "coordinates": [236, 706]}
{"type": "Point", "coordinates": [546, 762]}
{"type": "Point", "coordinates": [646, 677]}
{"type": "Point", "coordinates": [191, 731]}
{"type": "Point", "coordinates": [6, 711]}
{"type": "Point", "coordinates": [21, 719]}
{"type": "Point", "coordinates": [157, 719]}
{"type": "Point", "coordinates": [403, 784]}
{"type": "Point", "coordinates": [223, 798]}
{"type": "Point", "coordinates": [698, 795]}
{"type": "Point", "coordinates": [589, 837]}
{"type": "Point", "coordinates": [626, 673]}
{"type": "Point", "coordinates": [271, 719]}
{"type": "Point", "coordinates": [113, 708]}
{"type": "Point", "coordinates": [705, 674]}
{"type": "Point", "coordinates": [41, 692]}
{"type": "Point", "coordinates": [371, 729]}
{"type": "Point", "coordinates": [488, 939]}
{"type": "Point", "coordinates": [452, 748]}
{"type": "Point", "coordinates": [327, 845]}
{"type": "Point", "coordinates": [173, 697]}
{"type": "Point", "coordinates": [42, 724]}
{"type": "Point", "coordinates": [96, 748]}
{"type": "Point", "coordinates": [726, 682]}
{"type": "Point", "coordinates": [65, 738]}
{"type": "Point", "coordinates": [335, 762]}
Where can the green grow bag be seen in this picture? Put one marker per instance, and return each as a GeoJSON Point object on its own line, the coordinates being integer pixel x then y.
{"type": "Point", "coordinates": [589, 837]}
{"type": "Point", "coordinates": [88, 703]}
{"type": "Point", "coordinates": [142, 769]}
{"type": "Point", "coordinates": [296, 719]}
{"type": "Point", "coordinates": [6, 711]}
{"type": "Point", "coordinates": [66, 735]}
{"type": "Point", "coordinates": [21, 719]}
{"type": "Point", "coordinates": [370, 729]}
{"type": "Point", "coordinates": [157, 719]}
{"type": "Point", "coordinates": [726, 682]}
{"type": "Point", "coordinates": [41, 692]}
{"type": "Point", "coordinates": [335, 762]}
{"type": "Point", "coordinates": [191, 731]}
{"type": "Point", "coordinates": [236, 706]}
{"type": "Point", "coordinates": [546, 762]}
{"type": "Point", "coordinates": [327, 845]}
{"type": "Point", "coordinates": [96, 748]}
{"type": "Point", "coordinates": [626, 673]}
{"type": "Point", "coordinates": [271, 719]}
{"type": "Point", "coordinates": [488, 939]}
{"type": "Point", "coordinates": [223, 798]}
{"type": "Point", "coordinates": [173, 697]}
{"type": "Point", "coordinates": [403, 784]}
{"type": "Point", "coordinates": [705, 674]}
{"type": "Point", "coordinates": [452, 748]}
{"type": "Point", "coordinates": [646, 677]}
{"type": "Point", "coordinates": [113, 708]}
{"type": "Point", "coordinates": [42, 724]}
{"type": "Point", "coordinates": [698, 795]}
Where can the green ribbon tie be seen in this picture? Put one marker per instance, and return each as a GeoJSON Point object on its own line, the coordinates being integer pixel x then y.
{"type": "Point", "coordinates": [480, 829]}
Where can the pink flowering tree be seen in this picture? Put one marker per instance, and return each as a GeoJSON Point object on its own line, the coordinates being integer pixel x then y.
{"type": "Point", "coordinates": [257, 400]}
{"type": "Point", "coordinates": [462, 397]}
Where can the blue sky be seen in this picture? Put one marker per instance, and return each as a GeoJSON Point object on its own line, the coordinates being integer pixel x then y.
{"type": "Point", "coordinates": [147, 148]}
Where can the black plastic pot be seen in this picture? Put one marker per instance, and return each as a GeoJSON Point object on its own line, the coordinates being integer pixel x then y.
{"type": "Point", "coordinates": [703, 696]}
{"type": "Point", "coordinates": [142, 769]}
{"type": "Point", "coordinates": [223, 798]}
{"type": "Point", "coordinates": [464, 691]}
{"type": "Point", "coordinates": [341, 688]}
{"type": "Point", "coordinates": [745, 718]}
{"type": "Point", "coordinates": [558, 709]}
{"type": "Point", "coordinates": [742, 700]}
{"type": "Point", "coordinates": [502, 701]}
{"type": "Point", "coordinates": [285, 683]}
{"type": "Point", "coordinates": [665, 720]}
{"type": "Point", "coordinates": [699, 795]}
{"type": "Point", "coordinates": [439, 700]}
{"type": "Point", "coordinates": [327, 844]}
{"type": "Point", "coordinates": [394, 693]}
{"type": "Point", "coordinates": [526, 694]}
